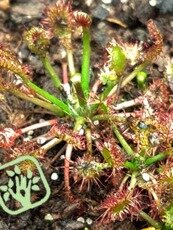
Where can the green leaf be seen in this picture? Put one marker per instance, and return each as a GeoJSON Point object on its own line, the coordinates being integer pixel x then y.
{"type": "Point", "coordinates": [10, 183]}
{"type": "Point", "coordinates": [107, 156]}
{"type": "Point", "coordinates": [118, 59]}
{"type": "Point", "coordinates": [29, 174]}
{"type": "Point", "coordinates": [3, 188]}
{"type": "Point", "coordinates": [103, 108]}
{"type": "Point", "coordinates": [35, 179]}
{"type": "Point", "coordinates": [85, 77]}
{"type": "Point", "coordinates": [35, 188]}
{"type": "Point", "coordinates": [132, 165]}
{"type": "Point", "coordinates": [23, 180]}
{"type": "Point", "coordinates": [141, 78]}
{"type": "Point", "coordinates": [17, 170]}
{"type": "Point", "coordinates": [10, 173]}
{"type": "Point", "coordinates": [6, 196]}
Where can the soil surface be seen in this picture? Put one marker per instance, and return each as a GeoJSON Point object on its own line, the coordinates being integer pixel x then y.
{"type": "Point", "coordinates": [125, 18]}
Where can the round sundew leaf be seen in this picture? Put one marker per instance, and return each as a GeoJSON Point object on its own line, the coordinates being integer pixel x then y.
{"type": "Point", "coordinates": [3, 188]}
{"type": "Point", "coordinates": [17, 170]}
{"type": "Point", "coordinates": [10, 173]}
{"type": "Point", "coordinates": [29, 174]}
{"type": "Point", "coordinates": [10, 183]}
{"type": "Point", "coordinates": [35, 188]}
{"type": "Point", "coordinates": [6, 196]}
{"type": "Point", "coordinates": [35, 179]}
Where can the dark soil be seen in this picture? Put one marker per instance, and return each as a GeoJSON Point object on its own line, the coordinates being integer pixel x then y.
{"type": "Point", "coordinates": [127, 20]}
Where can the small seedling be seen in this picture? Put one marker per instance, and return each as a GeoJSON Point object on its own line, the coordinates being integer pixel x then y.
{"type": "Point", "coordinates": [21, 187]}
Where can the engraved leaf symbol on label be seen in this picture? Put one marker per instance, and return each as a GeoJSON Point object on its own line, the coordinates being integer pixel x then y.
{"type": "Point", "coordinates": [6, 196]}
{"type": "Point", "coordinates": [3, 188]}
{"type": "Point", "coordinates": [17, 170]}
{"type": "Point", "coordinates": [29, 174]}
{"type": "Point", "coordinates": [10, 173]}
{"type": "Point", "coordinates": [35, 188]}
{"type": "Point", "coordinates": [35, 179]}
{"type": "Point", "coordinates": [10, 183]}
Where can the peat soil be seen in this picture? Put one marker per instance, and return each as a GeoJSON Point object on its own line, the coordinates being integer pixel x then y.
{"type": "Point", "coordinates": [125, 18]}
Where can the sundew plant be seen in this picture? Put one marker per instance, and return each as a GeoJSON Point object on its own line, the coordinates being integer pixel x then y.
{"type": "Point", "coordinates": [117, 129]}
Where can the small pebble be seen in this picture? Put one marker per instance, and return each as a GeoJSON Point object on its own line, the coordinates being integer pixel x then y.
{"type": "Point", "coordinates": [41, 120]}
{"type": "Point", "coordinates": [101, 25]}
{"type": "Point", "coordinates": [74, 225]}
{"type": "Point", "coordinates": [54, 176]}
{"type": "Point", "coordinates": [146, 177]}
{"type": "Point", "coordinates": [96, 122]}
{"type": "Point", "coordinates": [153, 2]}
{"type": "Point", "coordinates": [142, 125]}
{"type": "Point", "coordinates": [23, 52]}
{"type": "Point", "coordinates": [30, 132]}
{"type": "Point", "coordinates": [106, 1]}
{"type": "Point", "coordinates": [48, 217]}
{"type": "Point", "coordinates": [17, 81]}
{"type": "Point", "coordinates": [89, 2]}
{"type": "Point", "coordinates": [28, 138]}
{"type": "Point", "coordinates": [67, 88]}
{"type": "Point", "coordinates": [41, 140]}
{"type": "Point", "coordinates": [124, 1]}
{"type": "Point", "coordinates": [154, 139]}
{"type": "Point", "coordinates": [89, 221]}
{"type": "Point", "coordinates": [62, 157]}
{"type": "Point", "coordinates": [81, 219]}
{"type": "Point", "coordinates": [81, 132]}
